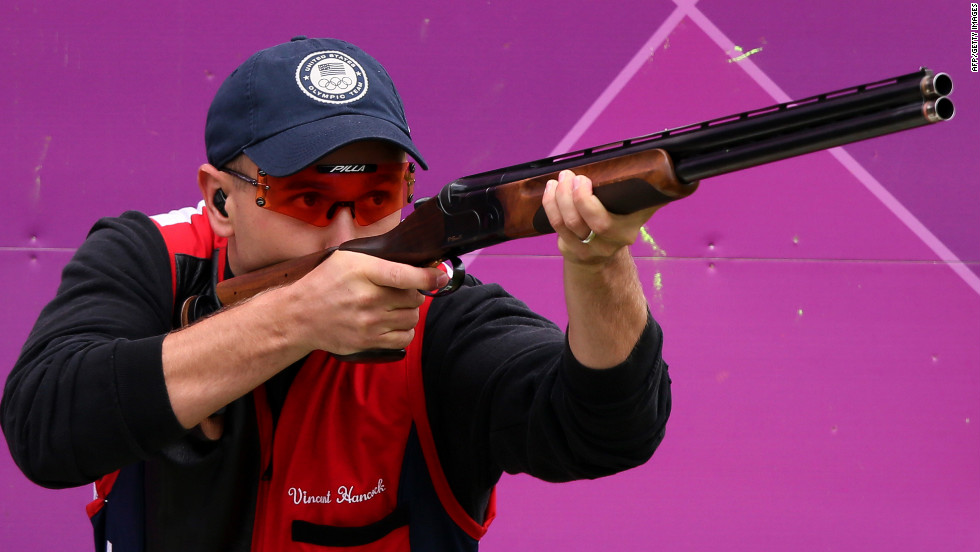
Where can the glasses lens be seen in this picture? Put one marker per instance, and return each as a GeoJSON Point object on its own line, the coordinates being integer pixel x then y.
{"type": "Point", "coordinates": [317, 193]}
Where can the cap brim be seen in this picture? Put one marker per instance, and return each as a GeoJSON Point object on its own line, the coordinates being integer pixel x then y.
{"type": "Point", "coordinates": [294, 149]}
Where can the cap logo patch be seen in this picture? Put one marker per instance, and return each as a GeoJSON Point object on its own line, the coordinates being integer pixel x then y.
{"type": "Point", "coordinates": [331, 77]}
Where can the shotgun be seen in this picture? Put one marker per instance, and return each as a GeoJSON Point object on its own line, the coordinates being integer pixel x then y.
{"type": "Point", "coordinates": [492, 207]}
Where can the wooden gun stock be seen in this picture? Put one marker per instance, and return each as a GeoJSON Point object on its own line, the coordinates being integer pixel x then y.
{"type": "Point", "coordinates": [433, 233]}
{"type": "Point", "coordinates": [245, 286]}
{"type": "Point", "coordinates": [489, 208]}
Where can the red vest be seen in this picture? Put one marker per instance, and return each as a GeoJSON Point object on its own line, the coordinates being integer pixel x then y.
{"type": "Point", "coordinates": [337, 457]}
{"type": "Point", "coordinates": [351, 460]}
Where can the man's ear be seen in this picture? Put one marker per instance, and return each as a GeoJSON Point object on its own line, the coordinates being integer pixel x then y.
{"type": "Point", "coordinates": [211, 181]}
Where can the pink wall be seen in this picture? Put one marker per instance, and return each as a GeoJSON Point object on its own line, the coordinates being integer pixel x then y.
{"type": "Point", "coordinates": [822, 314]}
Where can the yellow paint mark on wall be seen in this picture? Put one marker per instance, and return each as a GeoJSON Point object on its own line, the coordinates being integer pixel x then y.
{"type": "Point", "coordinates": [741, 54]}
{"type": "Point", "coordinates": [648, 239]}
{"type": "Point", "coordinates": [658, 277]}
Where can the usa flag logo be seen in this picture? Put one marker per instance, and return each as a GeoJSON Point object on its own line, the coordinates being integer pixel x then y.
{"type": "Point", "coordinates": [331, 77]}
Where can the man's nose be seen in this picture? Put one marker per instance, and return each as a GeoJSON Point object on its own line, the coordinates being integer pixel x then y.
{"type": "Point", "coordinates": [340, 205]}
{"type": "Point", "coordinates": [342, 222]}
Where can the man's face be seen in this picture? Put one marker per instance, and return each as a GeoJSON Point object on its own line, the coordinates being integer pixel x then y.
{"type": "Point", "coordinates": [262, 237]}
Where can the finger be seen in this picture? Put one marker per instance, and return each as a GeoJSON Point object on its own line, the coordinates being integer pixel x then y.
{"type": "Point", "coordinates": [550, 204]}
{"type": "Point", "coordinates": [376, 323]}
{"type": "Point", "coordinates": [594, 215]}
{"type": "Point", "coordinates": [405, 277]}
{"type": "Point", "coordinates": [393, 339]}
{"type": "Point", "coordinates": [565, 200]}
{"type": "Point", "coordinates": [616, 230]}
{"type": "Point", "coordinates": [559, 207]}
{"type": "Point", "coordinates": [379, 322]}
{"type": "Point", "coordinates": [393, 299]}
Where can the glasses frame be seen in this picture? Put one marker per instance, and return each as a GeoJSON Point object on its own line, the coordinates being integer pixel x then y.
{"type": "Point", "coordinates": [259, 199]}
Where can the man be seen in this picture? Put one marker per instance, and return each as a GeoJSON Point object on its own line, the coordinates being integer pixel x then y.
{"type": "Point", "coordinates": [244, 430]}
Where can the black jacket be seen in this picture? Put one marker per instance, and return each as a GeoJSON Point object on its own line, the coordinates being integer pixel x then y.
{"type": "Point", "coordinates": [87, 395]}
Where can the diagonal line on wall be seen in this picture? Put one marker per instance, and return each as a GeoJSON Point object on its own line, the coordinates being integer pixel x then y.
{"type": "Point", "coordinates": [622, 79]}
{"type": "Point", "coordinates": [688, 8]}
{"type": "Point", "coordinates": [609, 94]}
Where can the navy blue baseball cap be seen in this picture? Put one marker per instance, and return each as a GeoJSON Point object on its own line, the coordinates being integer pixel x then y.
{"type": "Point", "coordinates": [291, 104]}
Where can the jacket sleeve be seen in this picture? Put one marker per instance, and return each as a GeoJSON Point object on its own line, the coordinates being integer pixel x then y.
{"type": "Point", "coordinates": [87, 394]}
{"type": "Point", "coordinates": [505, 394]}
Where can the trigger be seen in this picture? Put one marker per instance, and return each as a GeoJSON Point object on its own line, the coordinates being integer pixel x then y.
{"type": "Point", "coordinates": [456, 271]}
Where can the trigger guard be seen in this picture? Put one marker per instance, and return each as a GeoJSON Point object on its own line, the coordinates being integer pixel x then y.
{"type": "Point", "coordinates": [456, 271]}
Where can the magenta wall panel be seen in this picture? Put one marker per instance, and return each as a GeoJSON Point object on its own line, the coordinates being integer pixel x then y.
{"type": "Point", "coordinates": [822, 314]}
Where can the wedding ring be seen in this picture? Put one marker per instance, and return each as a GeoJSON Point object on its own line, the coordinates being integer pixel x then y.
{"type": "Point", "coordinates": [590, 237]}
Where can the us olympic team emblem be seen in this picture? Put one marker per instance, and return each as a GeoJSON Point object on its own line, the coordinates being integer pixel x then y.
{"type": "Point", "coordinates": [331, 77]}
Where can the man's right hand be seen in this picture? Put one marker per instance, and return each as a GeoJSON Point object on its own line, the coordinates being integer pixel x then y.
{"type": "Point", "coordinates": [353, 302]}
{"type": "Point", "coordinates": [349, 303]}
